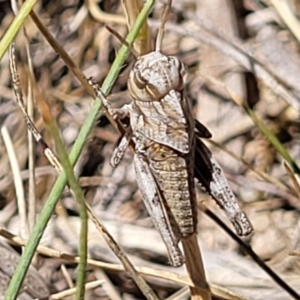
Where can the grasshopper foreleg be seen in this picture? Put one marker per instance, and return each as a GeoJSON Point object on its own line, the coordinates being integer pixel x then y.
{"type": "Point", "coordinates": [121, 147]}
{"type": "Point", "coordinates": [119, 113]}
{"type": "Point", "coordinates": [116, 113]}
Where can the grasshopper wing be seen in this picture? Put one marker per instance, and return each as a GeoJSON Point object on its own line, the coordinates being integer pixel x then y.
{"type": "Point", "coordinates": [153, 202]}
{"type": "Point", "coordinates": [211, 177]}
{"type": "Point", "coordinates": [201, 130]}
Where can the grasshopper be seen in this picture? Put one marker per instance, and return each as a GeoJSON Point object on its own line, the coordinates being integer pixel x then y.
{"type": "Point", "coordinates": [168, 151]}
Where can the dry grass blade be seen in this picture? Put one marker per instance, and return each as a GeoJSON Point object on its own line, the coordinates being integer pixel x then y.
{"type": "Point", "coordinates": [72, 291]}
{"type": "Point", "coordinates": [72, 65]}
{"type": "Point", "coordinates": [180, 294]}
{"type": "Point", "coordinates": [283, 8]}
{"type": "Point", "coordinates": [219, 291]}
{"type": "Point", "coordinates": [224, 293]}
{"type": "Point", "coordinates": [108, 286]}
{"type": "Point", "coordinates": [120, 38]}
{"type": "Point", "coordinates": [132, 8]}
{"type": "Point", "coordinates": [294, 253]}
{"type": "Point", "coordinates": [175, 277]}
{"type": "Point", "coordinates": [19, 99]}
{"type": "Point", "coordinates": [20, 195]}
{"type": "Point", "coordinates": [262, 127]}
{"type": "Point", "coordinates": [31, 147]}
{"type": "Point", "coordinates": [71, 258]}
{"type": "Point", "coordinates": [260, 173]}
{"type": "Point", "coordinates": [31, 161]}
{"type": "Point", "coordinates": [148, 292]}
{"type": "Point", "coordinates": [63, 54]}
{"type": "Point", "coordinates": [195, 268]}
{"type": "Point", "coordinates": [294, 178]}
{"type": "Point", "coordinates": [67, 276]}
{"type": "Point", "coordinates": [251, 253]}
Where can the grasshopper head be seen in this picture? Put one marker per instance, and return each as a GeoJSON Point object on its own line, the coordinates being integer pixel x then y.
{"type": "Point", "coordinates": [154, 75]}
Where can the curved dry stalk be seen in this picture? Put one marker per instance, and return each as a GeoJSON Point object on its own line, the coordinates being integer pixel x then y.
{"type": "Point", "coordinates": [102, 16]}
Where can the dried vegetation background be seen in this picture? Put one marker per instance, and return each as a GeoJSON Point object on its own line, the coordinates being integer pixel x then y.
{"type": "Point", "coordinates": [271, 204]}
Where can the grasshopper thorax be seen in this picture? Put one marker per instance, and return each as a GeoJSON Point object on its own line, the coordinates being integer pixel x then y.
{"type": "Point", "coordinates": [154, 75]}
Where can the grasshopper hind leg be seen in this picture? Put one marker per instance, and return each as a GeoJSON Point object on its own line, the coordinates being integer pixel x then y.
{"type": "Point", "coordinates": [154, 204]}
{"type": "Point", "coordinates": [211, 176]}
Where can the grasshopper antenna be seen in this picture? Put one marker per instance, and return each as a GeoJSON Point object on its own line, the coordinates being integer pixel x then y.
{"type": "Point", "coordinates": [160, 34]}
{"type": "Point", "coordinates": [122, 40]}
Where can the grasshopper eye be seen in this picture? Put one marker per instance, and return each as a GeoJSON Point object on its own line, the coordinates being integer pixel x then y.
{"type": "Point", "coordinates": [139, 81]}
{"type": "Point", "coordinates": [153, 92]}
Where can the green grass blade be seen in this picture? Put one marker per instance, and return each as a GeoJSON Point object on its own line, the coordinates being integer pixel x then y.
{"type": "Point", "coordinates": [15, 26]}
{"type": "Point", "coordinates": [273, 140]}
{"type": "Point", "coordinates": [79, 196]}
{"type": "Point", "coordinates": [20, 272]}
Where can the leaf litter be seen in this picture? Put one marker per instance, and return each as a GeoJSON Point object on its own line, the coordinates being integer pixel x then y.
{"type": "Point", "coordinates": [113, 193]}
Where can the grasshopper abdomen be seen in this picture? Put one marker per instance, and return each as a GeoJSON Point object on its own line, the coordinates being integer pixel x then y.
{"type": "Point", "coordinates": [171, 171]}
